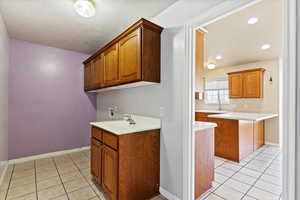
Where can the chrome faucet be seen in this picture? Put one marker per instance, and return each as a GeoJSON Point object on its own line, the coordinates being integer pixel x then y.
{"type": "Point", "coordinates": [129, 119]}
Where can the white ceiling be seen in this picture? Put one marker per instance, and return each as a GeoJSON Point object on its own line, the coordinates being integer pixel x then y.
{"type": "Point", "coordinates": [55, 23]}
{"type": "Point", "coordinates": [240, 43]}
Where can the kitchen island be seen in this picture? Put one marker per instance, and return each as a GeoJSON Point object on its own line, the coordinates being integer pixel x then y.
{"type": "Point", "coordinates": [238, 134]}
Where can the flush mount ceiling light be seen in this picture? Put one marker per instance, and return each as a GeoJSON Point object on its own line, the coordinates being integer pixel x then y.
{"type": "Point", "coordinates": [211, 65]}
{"type": "Point", "coordinates": [253, 20]}
{"type": "Point", "coordinates": [85, 8]}
{"type": "Point", "coordinates": [219, 57]}
{"type": "Point", "coordinates": [265, 46]}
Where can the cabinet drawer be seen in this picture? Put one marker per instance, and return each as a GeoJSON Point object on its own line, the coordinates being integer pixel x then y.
{"type": "Point", "coordinates": [97, 133]}
{"type": "Point", "coordinates": [110, 140]}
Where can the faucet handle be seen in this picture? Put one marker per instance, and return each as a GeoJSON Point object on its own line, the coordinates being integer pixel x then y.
{"type": "Point", "coordinates": [127, 117]}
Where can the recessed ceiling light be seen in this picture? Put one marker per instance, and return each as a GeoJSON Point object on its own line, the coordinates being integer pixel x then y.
{"type": "Point", "coordinates": [85, 8]}
{"type": "Point", "coordinates": [219, 57]}
{"type": "Point", "coordinates": [211, 65]}
{"type": "Point", "coordinates": [253, 20]}
{"type": "Point", "coordinates": [265, 46]}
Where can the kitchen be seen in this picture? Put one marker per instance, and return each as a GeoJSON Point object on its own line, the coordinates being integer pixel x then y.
{"type": "Point", "coordinates": [237, 89]}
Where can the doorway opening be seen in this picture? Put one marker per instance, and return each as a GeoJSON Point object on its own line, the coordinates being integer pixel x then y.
{"type": "Point", "coordinates": [238, 62]}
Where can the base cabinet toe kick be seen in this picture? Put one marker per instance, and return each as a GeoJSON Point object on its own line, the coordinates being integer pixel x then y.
{"type": "Point", "coordinates": [126, 166]}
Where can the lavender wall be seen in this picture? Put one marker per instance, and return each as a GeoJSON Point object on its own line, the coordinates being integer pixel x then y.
{"type": "Point", "coordinates": [4, 65]}
{"type": "Point", "coordinates": [48, 109]}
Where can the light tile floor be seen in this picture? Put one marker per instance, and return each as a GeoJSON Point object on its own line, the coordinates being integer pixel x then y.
{"type": "Point", "coordinates": [65, 177]}
{"type": "Point", "coordinates": [257, 177]}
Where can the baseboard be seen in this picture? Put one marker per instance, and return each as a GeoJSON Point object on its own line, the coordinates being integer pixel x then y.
{"type": "Point", "coordinates": [167, 194]}
{"type": "Point", "coordinates": [272, 144]}
{"type": "Point", "coordinates": [46, 155]}
{"type": "Point", "coordinates": [3, 164]}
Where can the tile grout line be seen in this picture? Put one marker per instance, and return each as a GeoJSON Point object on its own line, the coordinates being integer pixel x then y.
{"type": "Point", "coordinates": [53, 160]}
{"type": "Point", "coordinates": [10, 179]}
{"type": "Point", "coordinates": [230, 177]}
{"type": "Point", "coordinates": [84, 176]}
{"type": "Point", "coordinates": [35, 180]}
{"type": "Point", "coordinates": [263, 173]}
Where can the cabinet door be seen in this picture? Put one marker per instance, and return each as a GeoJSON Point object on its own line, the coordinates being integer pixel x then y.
{"type": "Point", "coordinates": [259, 134]}
{"type": "Point", "coordinates": [235, 85]}
{"type": "Point", "coordinates": [110, 66]}
{"type": "Point", "coordinates": [110, 171]}
{"type": "Point", "coordinates": [88, 76]}
{"type": "Point", "coordinates": [130, 57]}
{"type": "Point", "coordinates": [252, 84]}
{"type": "Point", "coordinates": [96, 160]}
{"type": "Point", "coordinates": [98, 72]}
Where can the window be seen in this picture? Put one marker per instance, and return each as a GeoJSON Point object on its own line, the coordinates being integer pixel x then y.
{"type": "Point", "coordinates": [216, 92]}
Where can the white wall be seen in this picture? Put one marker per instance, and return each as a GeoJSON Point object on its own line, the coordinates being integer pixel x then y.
{"type": "Point", "coordinates": [4, 63]}
{"type": "Point", "coordinates": [268, 104]}
{"type": "Point", "coordinates": [149, 100]}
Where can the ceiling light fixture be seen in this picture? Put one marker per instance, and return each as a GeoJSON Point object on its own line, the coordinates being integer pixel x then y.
{"type": "Point", "coordinates": [252, 20]}
{"type": "Point", "coordinates": [85, 8]}
{"type": "Point", "coordinates": [211, 65]}
{"type": "Point", "coordinates": [219, 57]}
{"type": "Point", "coordinates": [265, 46]}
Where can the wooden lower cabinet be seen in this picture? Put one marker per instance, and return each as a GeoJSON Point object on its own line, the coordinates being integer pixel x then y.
{"type": "Point", "coordinates": [110, 171]}
{"type": "Point", "coordinates": [204, 161]}
{"type": "Point", "coordinates": [130, 164]}
{"type": "Point", "coordinates": [96, 157]}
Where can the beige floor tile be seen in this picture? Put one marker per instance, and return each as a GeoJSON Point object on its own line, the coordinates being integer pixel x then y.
{"type": "Point", "coordinates": [64, 197]}
{"type": "Point", "coordinates": [45, 175]}
{"type": "Point", "coordinates": [51, 193]}
{"type": "Point", "coordinates": [75, 184]}
{"type": "Point", "coordinates": [82, 194]}
{"type": "Point", "coordinates": [31, 196]}
{"type": "Point", "coordinates": [22, 174]}
{"type": "Point", "coordinates": [48, 183]}
{"type": "Point", "coordinates": [22, 181]}
{"type": "Point", "coordinates": [71, 176]}
{"type": "Point", "coordinates": [95, 198]}
{"type": "Point", "coordinates": [4, 186]}
{"type": "Point", "coordinates": [66, 169]}
{"type": "Point", "coordinates": [83, 165]}
{"type": "Point", "coordinates": [20, 191]}
{"type": "Point", "coordinates": [2, 194]}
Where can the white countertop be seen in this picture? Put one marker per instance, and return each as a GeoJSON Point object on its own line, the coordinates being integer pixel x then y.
{"type": "Point", "coordinates": [121, 127]}
{"type": "Point", "coordinates": [244, 116]}
{"type": "Point", "coordinates": [199, 126]}
{"type": "Point", "coordinates": [212, 111]}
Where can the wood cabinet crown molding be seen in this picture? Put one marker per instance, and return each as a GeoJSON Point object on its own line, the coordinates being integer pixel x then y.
{"type": "Point", "coordinates": [141, 23]}
{"type": "Point", "coordinates": [133, 56]}
{"type": "Point", "coordinates": [248, 70]}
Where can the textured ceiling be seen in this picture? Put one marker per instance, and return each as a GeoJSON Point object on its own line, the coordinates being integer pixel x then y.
{"type": "Point", "coordinates": [55, 23]}
{"type": "Point", "coordinates": [240, 43]}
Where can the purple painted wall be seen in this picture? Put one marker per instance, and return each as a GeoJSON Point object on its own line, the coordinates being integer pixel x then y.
{"type": "Point", "coordinates": [48, 109]}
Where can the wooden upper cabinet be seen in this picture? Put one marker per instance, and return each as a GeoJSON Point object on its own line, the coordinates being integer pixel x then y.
{"type": "Point", "coordinates": [130, 57]}
{"type": "Point", "coordinates": [110, 66]}
{"type": "Point", "coordinates": [246, 84]}
{"type": "Point", "coordinates": [87, 78]}
{"type": "Point", "coordinates": [235, 82]}
{"type": "Point", "coordinates": [110, 171]}
{"type": "Point", "coordinates": [98, 72]}
{"type": "Point", "coordinates": [253, 84]}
